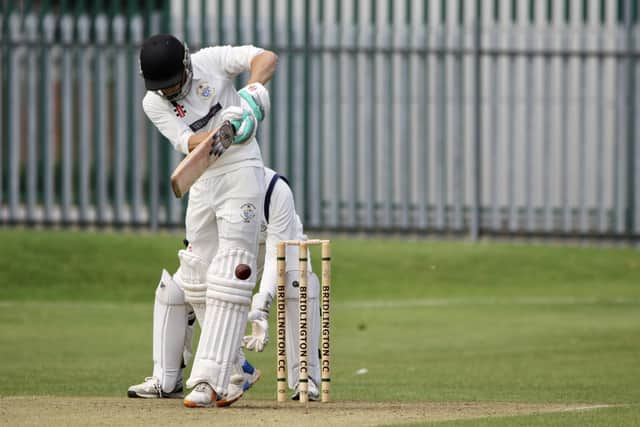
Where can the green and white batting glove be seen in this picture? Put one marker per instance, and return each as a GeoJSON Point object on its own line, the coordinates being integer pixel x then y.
{"type": "Point", "coordinates": [255, 97]}
{"type": "Point", "coordinates": [259, 324]}
{"type": "Point", "coordinates": [243, 121]}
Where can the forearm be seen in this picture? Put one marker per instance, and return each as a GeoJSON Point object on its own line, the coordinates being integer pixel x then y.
{"type": "Point", "coordinates": [270, 271]}
{"type": "Point", "coordinates": [262, 67]}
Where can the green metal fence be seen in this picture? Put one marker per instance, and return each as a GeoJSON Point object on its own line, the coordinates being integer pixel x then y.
{"type": "Point", "coordinates": [459, 117]}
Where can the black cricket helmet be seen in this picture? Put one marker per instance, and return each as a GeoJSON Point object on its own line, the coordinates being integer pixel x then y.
{"type": "Point", "coordinates": [165, 62]}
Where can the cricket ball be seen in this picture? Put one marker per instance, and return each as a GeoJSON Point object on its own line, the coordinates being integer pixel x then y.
{"type": "Point", "coordinates": [243, 271]}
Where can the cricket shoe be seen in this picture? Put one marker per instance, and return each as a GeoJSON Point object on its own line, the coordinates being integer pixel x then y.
{"type": "Point", "coordinates": [151, 389]}
{"type": "Point", "coordinates": [251, 375]}
{"type": "Point", "coordinates": [240, 381]}
{"type": "Point", "coordinates": [202, 396]}
{"type": "Point", "coordinates": [234, 392]}
{"type": "Point", "coordinates": [312, 392]}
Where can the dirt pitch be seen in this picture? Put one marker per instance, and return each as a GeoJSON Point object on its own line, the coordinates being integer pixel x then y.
{"type": "Point", "coordinates": [79, 411]}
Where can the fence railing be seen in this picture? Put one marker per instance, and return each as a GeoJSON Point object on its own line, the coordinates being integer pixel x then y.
{"type": "Point", "coordinates": [464, 117]}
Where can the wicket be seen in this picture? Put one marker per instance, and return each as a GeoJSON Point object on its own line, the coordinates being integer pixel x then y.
{"type": "Point", "coordinates": [325, 332]}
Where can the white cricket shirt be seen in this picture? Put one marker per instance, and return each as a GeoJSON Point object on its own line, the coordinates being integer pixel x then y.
{"type": "Point", "coordinates": [212, 90]}
{"type": "Point", "coordinates": [283, 224]}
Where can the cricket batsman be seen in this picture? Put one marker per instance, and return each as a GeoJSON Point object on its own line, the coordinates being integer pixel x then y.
{"type": "Point", "coordinates": [188, 97]}
{"type": "Point", "coordinates": [279, 222]}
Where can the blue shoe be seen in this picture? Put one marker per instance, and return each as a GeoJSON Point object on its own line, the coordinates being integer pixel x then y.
{"type": "Point", "coordinates": [251, 375]}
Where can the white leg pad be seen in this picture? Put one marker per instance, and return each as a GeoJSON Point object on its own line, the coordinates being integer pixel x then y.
{"type": "Point", "coordinates": [221, 281]}
{"type": "Point", "coordinates": [292, 332]}
{"type": "Point", "coordinates": [223, 327]}
{"type": "Point", "coordinates": [228, 300]}
{"type": "Point", "coordinates": [169, 331]}
{"type": "Point", "coordinates": [191, 277]}
{"type": "Point", "coordinates": [199, 310]}
{"type": "Point", "coordinates": [237, 372]}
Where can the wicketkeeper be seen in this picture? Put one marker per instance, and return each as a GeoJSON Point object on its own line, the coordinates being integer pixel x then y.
{"type": "Point", "coordinates": [281, 222]}
{"type": "Point", "coordinates": [188, 96]}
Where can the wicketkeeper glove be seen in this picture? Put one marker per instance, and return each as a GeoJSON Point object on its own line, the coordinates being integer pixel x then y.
{"type": "Point", "coordinates": [259, 324]}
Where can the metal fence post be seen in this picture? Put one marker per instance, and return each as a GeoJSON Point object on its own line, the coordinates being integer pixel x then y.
{"type": "Point", "coordinates": [120, 119]}
{"type": "Point", "coordinates": [48, 135]}
{"type": "Point", "coordinates": [83, 64]}
{"type": "Point", "coordinates": [273, 86]}
{"type": "Point", "coordinates": [136, 123]}
{"type": "Point", "coordinates": [458, 117]}
{"type": "Point", "coordinates": [403, 178]}
{"type": "Point", "coordinates": [101, 59]}
{"type": "Point", "coordinates": [170, 157]}
{"type": "Point", "coordinates": [630, 99]}
{"type": "Point", "coordinates": [334, 158]}
{"type": "Point", "coordinates": [4, 49]}
{"type": "Point", "coordinates": [14, 92]}
{"type": "Point", "coordinates": [290, 70]}
{"type": "Point", "coordinates": [35, 151]}
{"type": "Point", "coordinates": [441, 120]}
{"type": "Point", "coordinates": [351, 39]}
{"type": "Point", "coordinates": [66, 94]}
{"type": "Point", "coordinates": [477, 143]}
{"type": "Point", "coordinates": [306, 123]}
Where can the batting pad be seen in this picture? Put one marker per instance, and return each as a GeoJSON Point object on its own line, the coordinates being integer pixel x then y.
{"type": "Point", "coordinates": [224, 325]}
{"type": "Point", "coordinates": [222, 282]}
{"type": "Point", "coordinates": [292, 321]}
{"type": "Point", "coordinates": [199, 310]}
{"type": "Point", "coordinates": [228, 300]}
{"type": "Point", "coordinates": [169, 331]}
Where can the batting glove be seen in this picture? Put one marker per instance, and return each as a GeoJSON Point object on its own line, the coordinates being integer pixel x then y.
{"type": "Point", "coordinates": [243, 121]}
{"type": "Point", "coordinates": [255, 97]}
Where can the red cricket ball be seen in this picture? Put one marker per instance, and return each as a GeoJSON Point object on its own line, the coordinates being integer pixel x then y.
{"type": "Point", "coordinates": [243, 271]}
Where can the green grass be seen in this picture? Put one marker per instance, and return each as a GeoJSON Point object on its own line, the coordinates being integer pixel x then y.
{"type": "Point", "coordinates": [430, 321]}
{"type": "Point", "coordinates": [620, 416]}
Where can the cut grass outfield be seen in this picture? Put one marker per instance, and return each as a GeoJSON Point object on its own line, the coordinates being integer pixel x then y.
{"type": "Point", "coordinates": [430, 321]}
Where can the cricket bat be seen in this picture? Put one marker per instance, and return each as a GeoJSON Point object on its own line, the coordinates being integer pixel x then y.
{"type": "Point", "coordinates": [199, 160]}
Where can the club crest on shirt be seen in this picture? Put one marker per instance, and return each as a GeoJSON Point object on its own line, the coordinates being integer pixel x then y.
{"type": "Point", "coordinates": [205, 91]}
{"type": "Point", "coordinates": [179, 110]}
{"type": "Point", "coordinates": [247, 212]}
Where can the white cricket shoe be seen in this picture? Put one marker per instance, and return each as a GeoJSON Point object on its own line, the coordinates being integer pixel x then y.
{"type": "Point", "coordinates": [241, 380]}
{"type": "Point", "coordinates": [312, 392]}
{"type": "Point", "coordinates": [202, 396]}
{"type": "Point", "coordinates": [234, 392]}
{"type": "Point", "coordinates": [151, 389]}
